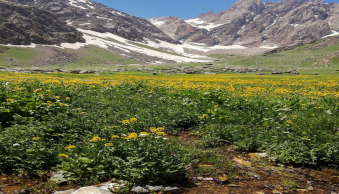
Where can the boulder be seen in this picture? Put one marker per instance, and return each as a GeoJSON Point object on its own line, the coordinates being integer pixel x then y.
{"type": "Point", "coordinates": [83, 72]}
{"type": "Point", "coordinates": [65, 192]}
{"type": "Point", "coordinates": [315, 74]}
{"type": "Point", "coordinates": [155, 73]}
{"type": "Point", "coordinates": [276, 72]}
{"type": "Point", "coordinates": [76, 71]}
{"type": "Point", "coordinates": [92, 190]}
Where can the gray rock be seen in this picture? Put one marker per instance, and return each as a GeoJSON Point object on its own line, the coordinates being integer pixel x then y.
{"type": "Point", "coordinates": [315, 74]}
{"type": "Point", "coordinates": [83, 72]}
{"type": "Point", "coordinates": [155, 73]}
{"type": "Point", "coordinates": [139, 189]}
{"type": "Point", "coordinates": [276, 72]}
{"type": "Point", "coordinates": [209, 64]}
{"type": "Point", "coordinates": [92, 190]}
{"type": "Point", "coordinates": [155, 188]}
{"type": "Point", "coordinates": [171, 188]}
{"type": "Point", "coordinates": [2, 67]}
{"type": "Point", "coordinates": [75, 71]}
{"type": "Point", "coordinates": [58, 178]}
{"type": "Point", "coordinates": [65, 192]}
{"type": "Point", "coordinates": [260, 74]}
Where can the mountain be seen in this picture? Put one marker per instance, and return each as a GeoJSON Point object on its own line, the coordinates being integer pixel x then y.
{"type": "Point", "coordinates": [21, 25]}
{"type": "Point", "coordinates": [254, 23]}
{"type": "Point", "coordinates": [89, 15]}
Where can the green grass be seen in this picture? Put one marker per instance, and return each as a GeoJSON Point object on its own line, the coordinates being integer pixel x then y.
{"type": "Point", "coordinates": [23, 55]}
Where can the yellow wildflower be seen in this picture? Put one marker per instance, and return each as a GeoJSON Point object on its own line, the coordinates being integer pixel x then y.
{"type": "Point", "coordinates": [108, 145]}
{"type": "Point", "coordinates": [153, 129]}
{"type": "Point", "coordinates": [204, 116]}
{"type": "Point", "coordinates": [133, 120]}
{"type": "Point", "coordinates": [143, 134]}
{"type": "Point", "coordinates": [304, 133]}
{"type": "Point", "coordinates": [8, 99]}
{"type": "Point", "coordinates": [126, 122]}
{"type": "Point", "coordinates": [37, 90]}
{"type": "Point", "coordinates": [95, 139]}
{"type": "Point", "coordinates": [62, 156]}
{"type": "Point", "coordinates": [216, 106]}
{"type": "Point", "coordinates": [36, 138]}
{"type": "Point", "coordinates": [70, 147]}
{"type": "Point", "coordinates": [57, 97]}
{"type": "Point", "coordinates": [132, 136]}
{"type": "Point", "coordinates": [161, 133]}
{"type": "Point", "coordinates": [68, 98]}
{"type": "Point", "coordinates": [48, 90]}
{"type": "Point", "coordinates": [115, 137]}
{"type": "Point", "coordinates": [160, 129]}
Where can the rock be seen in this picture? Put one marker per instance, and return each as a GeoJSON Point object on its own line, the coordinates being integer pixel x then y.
{"type": "Point", "coordinates": [92, 190]}
{"type": "Point", "coordinates": [209, 73]}
{"type": "Point", "coordinates": [233, 185]}
{"type": "Point", "coordinates": [75, 71]}
{"type": "Point", "coordinates": [260, 74]}
{"type": "Point", "coordinates": [171, 188]}
{"type": "Point", "coordinates": [208, 179]}
{"type": "Point", "coordinates": [155, 73]}
{"type": "Point", "coordinates": [189, 72]}
{"type": "Point", "coordinates": [200, 178]}
{"type": "Point", "coordinates": [139, 189]}
{"type": "Point", "coordinates": [35, 69]}
{"type": "Point", "coordinates": [315, 74]}
{"type": "Point", "coordinates": [258, 155]}
{"type": "Point", "coordinates": [83, 72]}
{"type": "Point", "coordinates": [209, 64]}
{"type": "Point", "coordinates": [62, 70]}
{"type": "Point", "coordinates": [276, 72]}
{"type": "Point", "coordinates": [2, 67]}
{"type": "Point", "coordinates": [295, 72]}
{"type": "Point", "coordinates": [58, 178]}
{"type": "Point", "coordinates": [155, 188]}
{"type": "Point", "coordinates": [65, 192]}
{"type": "Point", "coordinates": [222, 179]}
{"type": "Point", "coordinates": [139, 69]}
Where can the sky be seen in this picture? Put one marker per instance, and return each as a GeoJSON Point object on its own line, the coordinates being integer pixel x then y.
{"type": "Point", "coordinates": [183, 9]}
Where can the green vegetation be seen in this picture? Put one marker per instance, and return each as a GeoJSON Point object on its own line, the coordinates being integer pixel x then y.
{"type": "Point", "coordinates": [94, 130]}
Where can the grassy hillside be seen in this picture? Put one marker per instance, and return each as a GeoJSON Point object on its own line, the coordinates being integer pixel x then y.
{"type": "Point", "coordinates": [89, 56]}
{"type": "Point", "coordinates": [316, 56]}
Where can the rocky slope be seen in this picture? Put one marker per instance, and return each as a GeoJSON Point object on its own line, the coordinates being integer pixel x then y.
{"type": "Point", "coordinates": [89, 15]}
{"type": "Point", "coordinates": [21, 25]}
{"type": "Point", "coordinates": [255, 23]}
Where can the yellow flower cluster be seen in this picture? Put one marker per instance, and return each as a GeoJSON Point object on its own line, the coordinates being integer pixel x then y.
{"type": "Point", "coordinates": [204, 116]}
{"type": "Point", "coordinates": [115, 137]}
{"type": "Point", "coordinates": [36, 138]}
{"type": "Point", "coordinates": [96, 139]}
{"type": "Point", "coordinates": [70, 147]}
{"type": "Point", "coordinates": [63, 156]}
{"type": "Point", "coordinates": [108, 145]}
{"type": "Point", "coordinates": [238, 85]}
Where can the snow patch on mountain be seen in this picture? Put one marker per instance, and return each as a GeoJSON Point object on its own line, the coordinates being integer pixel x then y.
{"type": "Point", "coordinates": [199, 23]}
{"type": "Point", "coordinates": [332, 33]}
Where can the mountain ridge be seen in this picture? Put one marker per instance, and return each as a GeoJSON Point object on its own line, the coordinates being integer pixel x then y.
{"type": "Point", "coordinates": [254, 23]}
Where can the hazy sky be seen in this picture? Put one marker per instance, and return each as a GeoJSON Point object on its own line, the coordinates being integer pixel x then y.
{"type": "Point", "coordinates": [180, 8]}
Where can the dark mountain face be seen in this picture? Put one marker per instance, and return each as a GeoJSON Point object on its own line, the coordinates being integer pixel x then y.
{"type": "Point", "coordinates": [254, 23]}
{"type": "Point", "coordinates": [22, 25]}
{"type": "Point", "coordinates": [94, 16]}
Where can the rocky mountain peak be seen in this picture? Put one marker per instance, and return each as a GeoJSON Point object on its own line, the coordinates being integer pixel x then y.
{"type": "Point", "coordinates": [89, 15]}
{"type": "Point", "coordinates": [23, 25]}
{"type": "Point", "coordinates": [254, 23]}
